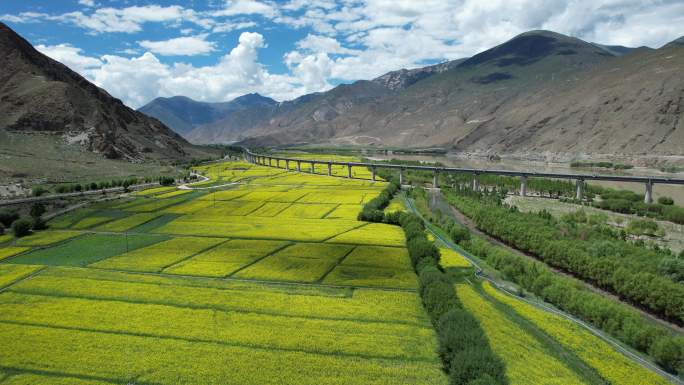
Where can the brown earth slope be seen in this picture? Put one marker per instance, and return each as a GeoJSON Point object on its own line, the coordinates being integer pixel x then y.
{"type": "Point", "coordinates": [40, 96]}
{"type": "Point", "coordinates": [541, 94]}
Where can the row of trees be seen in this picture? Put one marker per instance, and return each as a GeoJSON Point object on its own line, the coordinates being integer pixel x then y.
{"type": "Point", "coordinates": [592, 253]}
{"type": "Point", "coordinates": [101, 185]}
{"type": "Point", "coordinates": [22, 226]}
{"type": "Point", "coordinates": [628, 202]}
{"type": "Point", "coordinates": [464, 349]}
{"type": "Point", "coordinates": [616, 319]}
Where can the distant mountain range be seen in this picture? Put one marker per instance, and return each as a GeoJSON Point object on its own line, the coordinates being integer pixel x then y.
{"type": "Point", "coordinates": [42, 97]}
{"type": "Point", "coordinates": [538, 93]}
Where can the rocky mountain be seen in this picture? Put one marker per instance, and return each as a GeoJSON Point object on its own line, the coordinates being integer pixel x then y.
{"type": "Point", "coordinates": [40, 96]}
{"type": "Point", "coordinates": [183, 114]}
{"type": "Point", "coordinates": [398, 80]}
{"type": "Point", "coordinates": [538, 95]}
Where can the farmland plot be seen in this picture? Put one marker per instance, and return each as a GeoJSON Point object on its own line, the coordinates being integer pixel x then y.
{"type": "Point", "coordinates": [235, 286]}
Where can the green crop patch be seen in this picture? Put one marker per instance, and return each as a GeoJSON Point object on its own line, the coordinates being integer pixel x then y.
{"type": "Point", "coordinates": [379, 257]}
{"type": "Point", "coordinates": [158, 256]}
{"type": "Point", "coordinates": [66, 220]}
{"type": "Point", "coordinates": [154, 191]}
{"type": "Point", "coordinates": [225, 258]}
{"type": "Point", "coordinates": [172, 194]}
{"type": "Point", "coordinates": [87, 249]}
{"type": "Point", "coordinates": [301, 262]}
{"type": "Point", "coordinates": [127, 223]}
{"type": "Point", "coordinates": [154, 204]}
{"type": "Point", "coordinates": [373, 234]}
{"type": "Point", "coordinates": [307, 211]}
{"type": "Point", "coordinates": [352, 275]}
{"type": "Point", "coordinates": [43, 238]}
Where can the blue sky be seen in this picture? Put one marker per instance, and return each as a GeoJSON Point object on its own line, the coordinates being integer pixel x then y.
{"type": "Point", "coordinates": [216, 50]}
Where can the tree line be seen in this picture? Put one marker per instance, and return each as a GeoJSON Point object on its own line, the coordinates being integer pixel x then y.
{"type": "Point", "coordinates": [614, 318]}
{"type": "Point", "coordinates": [463, 348]}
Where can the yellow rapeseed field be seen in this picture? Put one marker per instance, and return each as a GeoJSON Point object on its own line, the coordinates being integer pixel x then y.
{"type": "Point", "coordinates": [610, 364]}
{"type": "Point", "coordinates": [527, 362]}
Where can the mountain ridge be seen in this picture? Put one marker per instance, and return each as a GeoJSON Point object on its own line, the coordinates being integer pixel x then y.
{"type": "Point", "coordinates": [39, 95]}
{"type": "Point", "coordinates": [538, 93]}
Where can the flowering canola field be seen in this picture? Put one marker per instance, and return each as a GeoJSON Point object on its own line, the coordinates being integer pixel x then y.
{"type": "Point", "coordinates": [267, 278]}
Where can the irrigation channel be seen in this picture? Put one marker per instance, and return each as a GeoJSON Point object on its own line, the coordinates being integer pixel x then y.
{"type": "Point", "coordinates": [479, 273]}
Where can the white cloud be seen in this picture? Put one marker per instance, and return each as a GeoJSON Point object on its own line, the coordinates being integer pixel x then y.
{"type": "Point", "coordinates": [246, 7]}
{"type": "Point", "coordinates": [71, 57]}
{"type": "Point", "coordinates": [180, 46]}
{"type": "Point", "coordinates": [87, 3]}
{"type": "Point", "coordinates": [232, 26]}
{"type": "Point", "coordinates": [24, 17]}
{"type": "Point", "coordinates": [137, 80]}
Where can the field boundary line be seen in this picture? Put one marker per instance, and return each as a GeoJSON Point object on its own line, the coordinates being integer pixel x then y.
{"type": "Point", "coordinates": [22, 279]}
{"type": "Point", "coordinates": [195, 254]}
{"type": "Point", "coordinates": [285, 246]}
{"type": "Point", "coordinates": [346, 231]}
{"type": "Point", "coordinates": [338, 263]}
{"type": "Point", "coordinates": [46, 373]}
{"type": "Point", "coordinates": [331, 210]}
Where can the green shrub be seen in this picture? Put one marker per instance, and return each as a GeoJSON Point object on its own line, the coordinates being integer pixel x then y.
{"type": "Point", "coordinates": [21, 227]}
{"type": "Point", "coordinates": [666, 201]}
{"type": "Point", "coordinates": [37, 191]}
{"type": "Point", "coordinates": [7, 217]}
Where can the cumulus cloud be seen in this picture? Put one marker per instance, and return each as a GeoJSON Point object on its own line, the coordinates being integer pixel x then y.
{"type": "Point", "coordinates": [139, 79]}
{"type": "Point", "coordinates": [345, 40]}
{"type": "Point", "coordinates": [246, 7]}
{"type": "Point", "coordinates": [70, 56]}
{"type": "Point", "coordinates": [87, 3]}
{"type": "Point", "coordinates": [180, 46]}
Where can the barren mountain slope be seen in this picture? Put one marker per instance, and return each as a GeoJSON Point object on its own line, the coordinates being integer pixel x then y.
{"type": "Point", "coordinates": [40, 96]}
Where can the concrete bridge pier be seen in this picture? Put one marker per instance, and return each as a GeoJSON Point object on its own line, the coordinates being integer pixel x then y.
{"type": "Point", "coordinates": [312, 170]}
{"type": "Point", "coordinates": [329, 169]}
{"type": "Point", "coordinates": [523, 185]}
{"type": "Point", "coordinates": [648, 197]}
{"type": "Point", "coordinates": [579, 189]}
{"type": "Point", "coordinates": [401, 177]}
{"type": "Point", "coordinates": [373, 170]}
{"type": "Point", "coordinates": [277, 163]}
{"type": "Point", "coordinates": [349, 171]}
{"type": "Point", "coordinates": [476, 182]}
{"type": "Point", "coordinates": [270, 164]}
{"type": "Point", "coordinates": [287, 164]}
{"type": "Point", "coordinates": [299, 166]}
{"type": "Point", "coordinates": [435, 177]}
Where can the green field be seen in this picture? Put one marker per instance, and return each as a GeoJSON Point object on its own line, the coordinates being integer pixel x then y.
{"type": "Point", "coordinates": [232, 286]}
